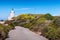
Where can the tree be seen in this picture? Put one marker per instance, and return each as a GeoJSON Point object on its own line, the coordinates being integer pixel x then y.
{"type": "Point", "coordinates": [48, 16]}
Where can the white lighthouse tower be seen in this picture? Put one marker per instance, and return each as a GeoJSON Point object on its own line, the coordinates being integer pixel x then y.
{"type": "Point", "coordinates": [11, 15]}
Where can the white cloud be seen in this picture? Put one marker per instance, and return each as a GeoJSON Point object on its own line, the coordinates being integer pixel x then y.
{"type": "Point", "coordinates": [23, 9]}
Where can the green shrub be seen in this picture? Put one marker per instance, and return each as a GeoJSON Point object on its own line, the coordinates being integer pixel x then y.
{"type": "Point", "coordinates": [51, 33]}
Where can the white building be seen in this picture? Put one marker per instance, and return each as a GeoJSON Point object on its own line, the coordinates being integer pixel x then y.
{"type": "Point", "coordinates": [11, 15]}
{"type": "Point", "coordinates": [2, 22]}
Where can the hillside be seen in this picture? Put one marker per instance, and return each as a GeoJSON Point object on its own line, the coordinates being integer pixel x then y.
{"type": "Point", "coordinates": [42, 24]}
{"type": "Point", "coordinates": [45, 25]}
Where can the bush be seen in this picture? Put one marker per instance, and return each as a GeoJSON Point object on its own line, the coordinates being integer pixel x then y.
{"type": "Point", "coordinates": [48, 16]}
{"type": "Point", "coordinates": [57, 22]}
{"type": "Point", "coordinates": [51, 33]}
{"type": "Point", "coordinates": [3, 31]}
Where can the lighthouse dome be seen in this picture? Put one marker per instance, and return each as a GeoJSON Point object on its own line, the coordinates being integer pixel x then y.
{"type": "Point", "coordinates": [12, 11]}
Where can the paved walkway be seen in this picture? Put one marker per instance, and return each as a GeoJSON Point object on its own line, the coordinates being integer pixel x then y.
{"type": "Point", "coordinates": [20, 33]}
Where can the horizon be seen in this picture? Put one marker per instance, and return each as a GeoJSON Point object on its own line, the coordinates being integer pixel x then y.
{"type": "Point", "coordinates": [29, 6]}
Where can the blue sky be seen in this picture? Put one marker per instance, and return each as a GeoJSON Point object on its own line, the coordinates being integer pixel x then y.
{"type": "Point", "coordinates": [29, 6]}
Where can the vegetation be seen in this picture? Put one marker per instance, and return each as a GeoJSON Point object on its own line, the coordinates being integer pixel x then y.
{"type": "Point", "coordinates": [4, 29]}
{"type": "Point", "coordinates": [48, 16]}
{"type": "Point", "coordinates": [47, 24]}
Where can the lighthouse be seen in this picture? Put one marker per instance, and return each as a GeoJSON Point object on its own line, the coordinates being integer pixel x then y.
{"type": "Point", "coordinates": [12, 14]}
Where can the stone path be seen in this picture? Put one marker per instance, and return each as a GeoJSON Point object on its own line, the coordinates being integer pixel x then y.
{"type": "Point", "coordinates": [20, 33]}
